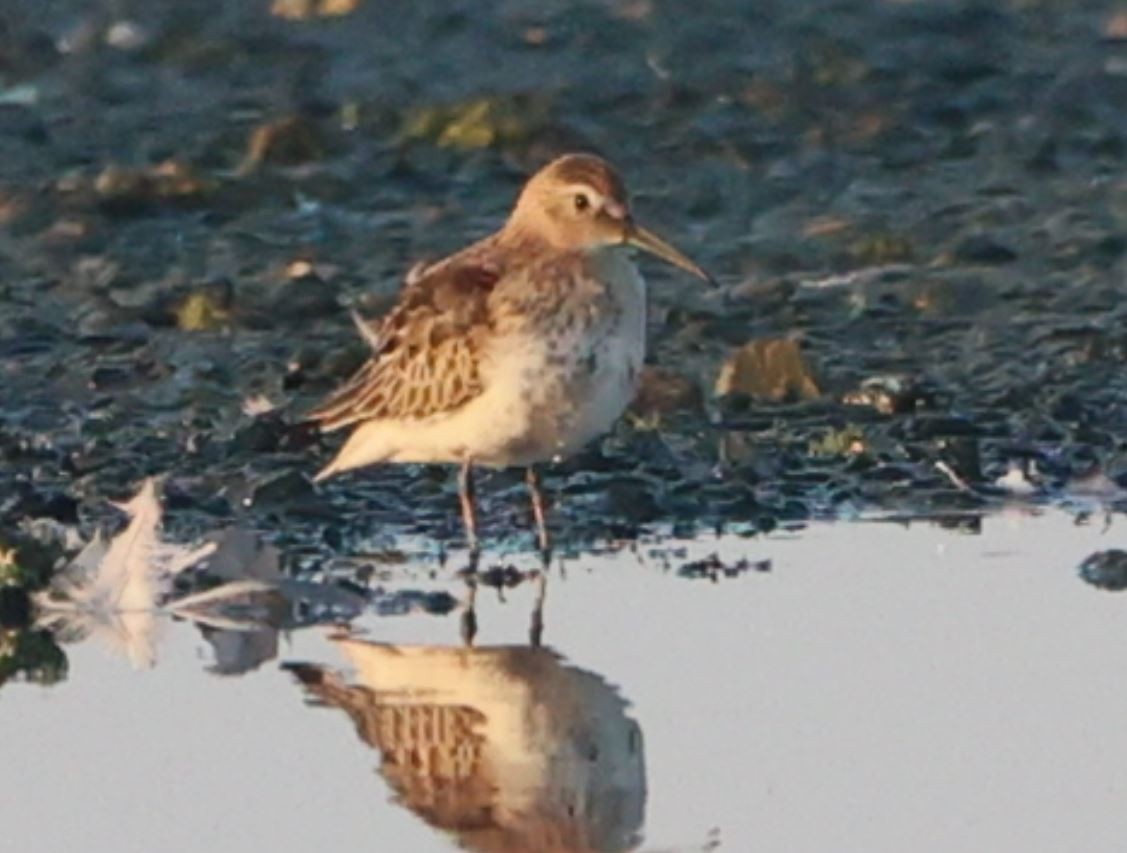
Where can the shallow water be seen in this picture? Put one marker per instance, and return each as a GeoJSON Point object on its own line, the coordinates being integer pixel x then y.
{"type": "Point", "coordinates": [881, 687]}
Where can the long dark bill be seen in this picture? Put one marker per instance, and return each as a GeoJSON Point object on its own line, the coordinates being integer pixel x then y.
{"type": "Point", "coordinates": [647, 241]}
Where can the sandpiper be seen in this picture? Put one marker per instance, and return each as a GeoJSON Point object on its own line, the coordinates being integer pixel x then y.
{"type": "Point", "coordinates": [519, 349]}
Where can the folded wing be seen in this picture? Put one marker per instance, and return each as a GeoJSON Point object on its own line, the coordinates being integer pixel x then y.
{"type": "Point", "coordinates": [426, 351]}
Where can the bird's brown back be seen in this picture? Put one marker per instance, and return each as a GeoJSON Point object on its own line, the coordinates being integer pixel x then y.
{"type": "Point", "coordinates": [426, 355]}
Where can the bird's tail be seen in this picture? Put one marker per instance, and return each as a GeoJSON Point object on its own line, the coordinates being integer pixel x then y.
{"type": "Point", "coordinates": [326, 472]}
{"type": "Point", "coordinates": [369, 443]}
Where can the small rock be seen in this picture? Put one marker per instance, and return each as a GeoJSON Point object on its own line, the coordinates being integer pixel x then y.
{"type": "Point", "coordinates": [126, 190]}
{"type": "Point", "coordinates": [501, 577]}
{"type": "Point", "coordinates": [1106, 570]}
{"type": "Point", "coordinates": [287, 141]}
{"type": "Point", "coordinates": [963, 456]}
{"type": "Point", "coordinates": [305, 268]}
{"type": "Point", "coordinates": [15, 607]}
{"type": "Point", "coordinates": [662, 392]}
{"type": "Point", "coordinates": [887, 394]}
{"type": "Point", "coordinates": [402, 602]}
{"type": "Point", "coordinates": [849, 441]}
{"type": "Point", "coordinates": [299, 300]}
{"type": "Point", "coordinates": [127, 35]}
{"type": "Point", "coordinates": [770, 369]}
{"type": "Point", "coordinates": [1115, 27]}
{"type": "Point", "coordinates": [881, 249]}
{"type": "Point", "coordinates": [109, 378]}
{"type": "Point", "coordinates": [631, 499]}
{"type": "Point", "coordinates": [202, 311]}
{"type": "Point", "coordinates": [768, 295]}
{"type": "Point", "coordinates": [20, 95]}
{"type": "Point", "coordinates": [301, 10]}
{"type": "Point", "coordinates": [57, 506]}
{"type": "Point", "coordinates": [713, 568]}
{"type": "Point", "coordinates": [256, 405]}
{"type": "Point", "coordinates": [282, 489]}
{"type": "Point", "coordinates": [477, 123]}
{"type": "Point", "coordinates": [262, 435]}
{"type": "Point", "coordinates": [70, 231]}
{"type": "Point", "coordinates": [984, 249]}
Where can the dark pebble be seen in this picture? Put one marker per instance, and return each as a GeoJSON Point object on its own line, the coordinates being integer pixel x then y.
{"type": "Point", "coordinates": [501, 577]}
{"type": "Point", "coordinates": [1106, 570]}
{"type": "Point", "coordinates": [300, 300]}
{"type": "Point", "coordinates": [984, 249]}
{"type": "Point", "coordinates": [793, 510]}
{"type": "Point", "coordinates": [262, 435]}
{"type": "Point", "coordinates": [713, 568]}
{"type": "Point", "coordinates": [60, 507]}
{"type": "Point", "coordinates": [15, 607]}
{"type": "Point", "coordinates": [108, 378]}
{"type": "Point", "coordinates": [632, 500]}
{"type": "Point", "coordinates": [409, 601]}
{"type": "Point", "coordinates": [963, 455]}
{"type": "Point", "coordinates": [281, 489]}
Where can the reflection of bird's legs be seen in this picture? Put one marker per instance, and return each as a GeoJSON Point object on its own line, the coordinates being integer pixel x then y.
{"type": "Point", "coordinates": [469, 615]}
{"type": "Point", "coordinates": [539, 513]}
{"type": "Point", "coordinates": [536, 626]}
{"type": "Point", "coordinates": [469, 510]}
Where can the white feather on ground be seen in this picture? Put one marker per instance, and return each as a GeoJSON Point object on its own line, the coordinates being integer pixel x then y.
{"type": "Point", "coordinates": [119, 589]}
{"type": "Point", "coordinates": [112, 589]}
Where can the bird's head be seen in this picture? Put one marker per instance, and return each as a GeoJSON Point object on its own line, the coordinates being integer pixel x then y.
{"type": "Point", "coordinates": [579, 203]}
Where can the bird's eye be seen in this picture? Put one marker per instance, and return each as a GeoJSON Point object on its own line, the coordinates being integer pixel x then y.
{"type": "Point", "coordinates": [582, 202]}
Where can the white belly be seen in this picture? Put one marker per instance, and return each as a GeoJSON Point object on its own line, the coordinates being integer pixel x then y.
{"type": "Point", "coordinates": [555, 410]}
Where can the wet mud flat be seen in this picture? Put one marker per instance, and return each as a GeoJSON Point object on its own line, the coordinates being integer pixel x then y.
{"type": "Point", "coordinates": [916, 212]}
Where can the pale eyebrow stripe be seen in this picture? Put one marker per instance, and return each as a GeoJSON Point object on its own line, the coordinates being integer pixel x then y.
{"type": "Point", "coordinates": [596, 196]}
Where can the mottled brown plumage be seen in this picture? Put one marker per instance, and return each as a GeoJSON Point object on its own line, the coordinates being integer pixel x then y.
{"type": "Point", "coordinates": [425, 362]}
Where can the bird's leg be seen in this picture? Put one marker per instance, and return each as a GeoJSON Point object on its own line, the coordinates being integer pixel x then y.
{"type": "Point", "coordinates": [538, 512]}
{"type": "Point", "coordinates": [469, 615]}
{"type": "Point", "coordinates": [469, 510]}
{"type": "Point", "coordinates": [536, 626]}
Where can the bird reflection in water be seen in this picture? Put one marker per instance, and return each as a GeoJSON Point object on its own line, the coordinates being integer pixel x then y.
{"type": "Point", "coordinates": [508, 748]}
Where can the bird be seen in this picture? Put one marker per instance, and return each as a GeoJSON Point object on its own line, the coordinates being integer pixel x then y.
{"type": "Point", "coordinates": [503, 747]}
{"type": "Point", "coordinates": [517, 350]}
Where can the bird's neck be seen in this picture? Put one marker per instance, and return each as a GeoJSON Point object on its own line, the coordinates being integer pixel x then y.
{"type": "Point", "coordinates": [520, 237]}
{"type": "Point", "coordinates": [517, 236]}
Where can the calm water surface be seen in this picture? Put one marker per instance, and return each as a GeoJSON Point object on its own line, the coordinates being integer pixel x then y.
{"type": "Point", "coordinates": [880, 688]}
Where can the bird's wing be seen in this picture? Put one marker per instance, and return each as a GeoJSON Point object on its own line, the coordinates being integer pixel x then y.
{"type": "Point", "coordinates": [426, 350]}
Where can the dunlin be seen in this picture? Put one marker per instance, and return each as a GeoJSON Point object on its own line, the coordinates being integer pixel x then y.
{"type": "Point", "coordinates": [519, 349]}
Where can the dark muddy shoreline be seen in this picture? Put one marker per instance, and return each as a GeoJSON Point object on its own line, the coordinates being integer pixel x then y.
{"type": "Point", "coordinates": [928, 197]}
